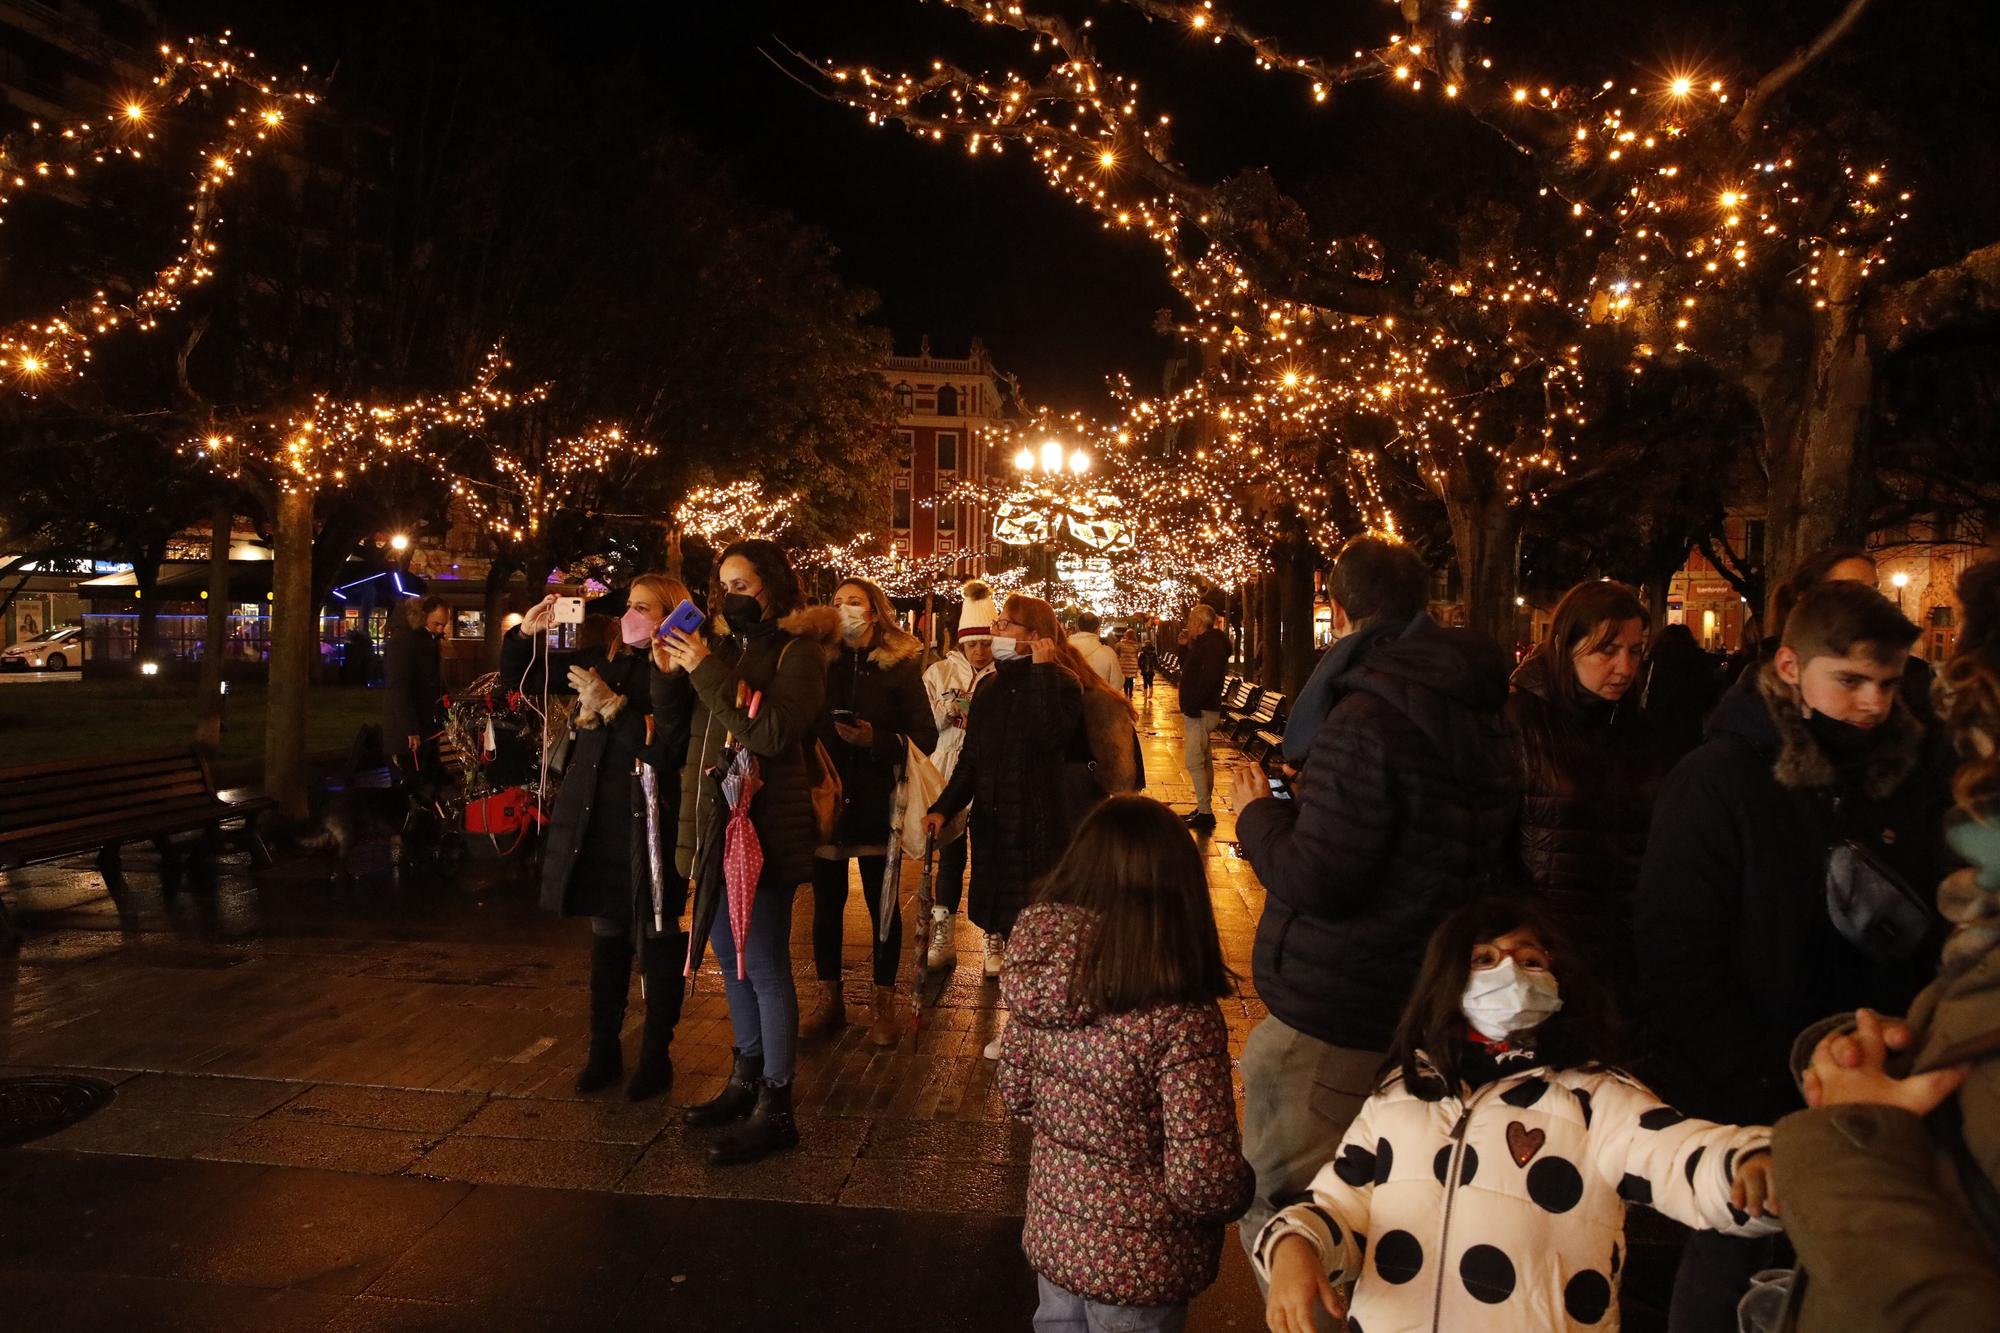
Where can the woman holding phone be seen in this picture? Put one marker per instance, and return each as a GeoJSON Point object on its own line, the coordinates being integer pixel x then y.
{"type": "Point", "coordinates": [875, 703]}
{"type": "Point", "coordinates": [596, 863]}
{"type": "Point", "coordinates": [754, 681]}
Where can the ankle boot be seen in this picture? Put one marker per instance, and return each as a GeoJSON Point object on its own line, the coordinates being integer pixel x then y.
{"type": "Point", "coordinates": [887, 1029]}
{"type": "Point", "coordinates": [769, 1129]}
{"type": "Point", "coordinates": [737, 1098]}
{"type": "Point", "coordinates": [610, 979]}
{"type": "Point", "coordinates": [660, 975]}
{"type": "Point", "coordinates": [829, 1012]}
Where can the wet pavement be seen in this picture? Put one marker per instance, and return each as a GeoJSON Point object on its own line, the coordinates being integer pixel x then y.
{"type": "Point", "coordinates": [343, 1101]}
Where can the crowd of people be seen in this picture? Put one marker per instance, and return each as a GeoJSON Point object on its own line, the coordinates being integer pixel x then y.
{"type": "Point", "coordinates": [1614, 925]}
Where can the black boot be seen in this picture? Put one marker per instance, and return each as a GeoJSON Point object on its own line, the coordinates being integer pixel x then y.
{"type": "Point", "coordinates": [660, 963]}
{"type": "Point", "coordinates": [769, 1129]}
{"type": "Point", "coordinates": [610, 979]}
{"type": "Point", "coordinates": [737, 1098]}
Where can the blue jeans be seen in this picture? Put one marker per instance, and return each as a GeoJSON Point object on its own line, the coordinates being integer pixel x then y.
{"type": "Point", "coordinates": [1063, 1311]}
{"type": "Point", "coordinates": [763, 1010]}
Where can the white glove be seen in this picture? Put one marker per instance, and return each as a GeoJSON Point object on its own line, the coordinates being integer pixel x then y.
{"type": "Point", "coordinates": [594, 698]}
{"type": "Point", "coordinates": [540, 616]}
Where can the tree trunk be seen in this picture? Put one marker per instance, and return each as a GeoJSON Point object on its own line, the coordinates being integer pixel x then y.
{"type": "Point", "coordinates": [215, 637]}
{"type": "Point", "coordinates": [498, 574]}
{"type": "Point", "coordinates": [1815, 411]}
{"type": "Point", "coordinates": [1296, 662]}
{"type": "Point", "coordinates": [146, 581]}
{"type": "Point", "coordinates": [1659, 583]}
{"type": "Point", "coordinates": [1270, 624]}
{"type": "Point", "coordinates": [1485, 536]}
{"type": "Point", "coordinates": [294, 626]}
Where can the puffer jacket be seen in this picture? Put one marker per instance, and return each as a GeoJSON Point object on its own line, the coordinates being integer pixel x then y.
{"type": "Point", "coordinates": [884, 686]}
{"type": "Point", "coordinates": [1739, 954]}
{"type": "Point", "coordinates": [1849, 1176]}
{"type": "Point", "coordinates": [1401, 815]}
{"type": "Point", "coordinates": [1025, 757]}
{"type": "Point", "coordinates": [1587, 777]}
{"type": "Point", "coordinates": [790, 673]}
{"type": "Point", "coordinates": [595, 861]}
{"type": "Point", "coordinates": [1137, 1165]}
{"type": "Point", "coordinates": [1503, 1209]}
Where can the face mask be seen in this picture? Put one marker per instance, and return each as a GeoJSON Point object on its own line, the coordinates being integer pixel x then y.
{"type": "Point", "coordinates": [635, 627]}
{"type": "Point", "coordinates": [1842, 740]}
{"type": "Point", "coordinates": [742, 610]}
{"type": "Point", "coordinates": [1500, 1001]}
{"type": "Point", "coordinates": [1005, 649]}
{"type": "Point", "coordinates": [853, 623]}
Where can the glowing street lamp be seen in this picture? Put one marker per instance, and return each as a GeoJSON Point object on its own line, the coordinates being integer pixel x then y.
{"type": "Point", "coordinates": [1899, 580]}
{"type": "Point", "coordinates": [399, 543]}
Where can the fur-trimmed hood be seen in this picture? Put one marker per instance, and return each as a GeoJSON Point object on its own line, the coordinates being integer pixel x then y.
{"type": "Point", "coordinates": [821, 624]}
{"type": "Point", "coordinates": [1768, 718]}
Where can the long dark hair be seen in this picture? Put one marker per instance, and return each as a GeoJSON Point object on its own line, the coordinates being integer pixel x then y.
{"type": "Point", "coordinates": [782, 588]}
{"type": "Point", "coordinates": [1809, 574]}
{"type": "Point", "coordinates": [1585, 619]}
{"type": "Point", "coordinates": [1134, 866]}
{"type": "Point", "coordinates": [1585, 1031]}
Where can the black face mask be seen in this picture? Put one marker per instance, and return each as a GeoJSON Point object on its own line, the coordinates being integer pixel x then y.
{"type": "Point", "coordinates": [744, 611]}
{"type": "Point", "coordinates": [1843, 741]}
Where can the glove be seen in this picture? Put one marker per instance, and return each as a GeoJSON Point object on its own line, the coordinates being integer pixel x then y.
{"type": "Point", "coordinates": [594, 698]}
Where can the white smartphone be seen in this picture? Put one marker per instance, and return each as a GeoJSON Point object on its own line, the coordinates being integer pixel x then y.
{"type": "Point", "coordinates": [569, 611]}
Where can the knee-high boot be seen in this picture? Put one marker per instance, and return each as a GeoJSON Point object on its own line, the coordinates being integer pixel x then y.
{"type": "Point", "coordinates": [610, 979]}
{"type": "Point", "coordinates": [660, 973]}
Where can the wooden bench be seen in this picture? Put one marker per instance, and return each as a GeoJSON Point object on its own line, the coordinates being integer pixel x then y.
{"type": "Point", "coordinates": [66, 806]}
{"type": "Point", "coordinates": [1267, 715]}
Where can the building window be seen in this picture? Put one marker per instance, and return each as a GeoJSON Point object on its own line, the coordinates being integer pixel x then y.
{"type": "Point", "coordinates": [905, 399]}
{"type": "Point", "coordinates": [947, 451]}
{"type": "Point", "coordinates": [902, 519]}
{"type": "Point", "coordinates": [947, 518]}
{"type": "Point", "coordinates": [906, 443]}
{"type": "Point", "coordinates": [947, 401]}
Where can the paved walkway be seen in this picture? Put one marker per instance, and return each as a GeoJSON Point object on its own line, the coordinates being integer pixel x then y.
{"type": "Point", "coordinates": [347, 1105]}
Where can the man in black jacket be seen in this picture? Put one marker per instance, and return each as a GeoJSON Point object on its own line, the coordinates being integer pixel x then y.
{"type": "Point", "coordinates": [1204, 662]}
{"type": "Point", "coordinates": [1737, 952]}
{"type": "Point", "coordinates": [1400, 816]}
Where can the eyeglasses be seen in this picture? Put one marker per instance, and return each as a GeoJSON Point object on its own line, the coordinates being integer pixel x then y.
{"type": "Point", "coordinates": [1001, 622]}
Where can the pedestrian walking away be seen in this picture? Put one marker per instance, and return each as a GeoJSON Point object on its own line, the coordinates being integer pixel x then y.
{"type": "Point", "coordinates": [597, 861]}
{"type": "Point", "coordinates": [755, 681]}
{"type": "Point", "coordinates": [950, 684]}
{"type": "Point", "coordinates": [875, 706]}
{"type": "Point", "coordinates": [1119, 1059]}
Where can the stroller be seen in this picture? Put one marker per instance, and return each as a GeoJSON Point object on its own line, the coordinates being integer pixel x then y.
{"type": "Point", "coordinates": [481, 776]}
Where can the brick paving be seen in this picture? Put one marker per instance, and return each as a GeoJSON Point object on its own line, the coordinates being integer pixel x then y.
{"type": "Point", "coordinates": [427, 1032]}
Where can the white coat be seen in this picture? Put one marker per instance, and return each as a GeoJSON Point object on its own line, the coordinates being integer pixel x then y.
{"type": "Point", "coordinates": [1504, 1210]}
{"type": "Point", "coordinates": [950, 682]}
{"type": "Point", "coordinates": [1102, 658]}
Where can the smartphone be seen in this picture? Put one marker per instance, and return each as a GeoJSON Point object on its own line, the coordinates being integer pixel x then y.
{"type": "Point", "coordinates": [569, 611]}
{"type": "Point", "coordinates": [1279, 789]}
{"type": "Point", "coordinates": [685, 618]}
{"type": "Point", "coordinates": [847, 717]}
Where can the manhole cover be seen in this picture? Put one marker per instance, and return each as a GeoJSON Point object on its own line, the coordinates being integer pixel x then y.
{"type": "Point", "coordinates": [40, 1104]}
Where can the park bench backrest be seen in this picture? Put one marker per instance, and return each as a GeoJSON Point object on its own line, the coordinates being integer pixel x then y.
{"type": "Point", "coordinates": [53, 801]}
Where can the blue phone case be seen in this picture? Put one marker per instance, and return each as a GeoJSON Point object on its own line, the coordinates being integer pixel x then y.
{"type": "Point", "coordinates": [687, 618]}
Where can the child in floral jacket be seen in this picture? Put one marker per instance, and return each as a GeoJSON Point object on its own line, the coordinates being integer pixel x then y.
{"type": "Point", "coordinates": [1118, 1056]}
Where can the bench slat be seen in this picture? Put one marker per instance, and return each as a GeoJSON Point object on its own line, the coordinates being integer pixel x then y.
{"type": "Point", "coordinates": [20, 806]}
{"type": "Point", "coordinates": [96, 762]}
{"type": "Point", "coordinates": [84, 827]}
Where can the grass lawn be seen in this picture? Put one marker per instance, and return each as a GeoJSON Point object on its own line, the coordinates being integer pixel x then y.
{"type": "Point", "coordinates": [70, 719]}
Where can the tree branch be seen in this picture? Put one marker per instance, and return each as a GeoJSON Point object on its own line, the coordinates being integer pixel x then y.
{"type": "Point", "coordinates": [1964, 289]}
{"type": "Point", "coordinates": [1745, 123]}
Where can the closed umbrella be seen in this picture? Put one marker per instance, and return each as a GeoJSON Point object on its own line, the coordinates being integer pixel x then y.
{"type": "Point", "coordinates": [742, 852]}
{"type": "Point", "coordinates": [711, 836]}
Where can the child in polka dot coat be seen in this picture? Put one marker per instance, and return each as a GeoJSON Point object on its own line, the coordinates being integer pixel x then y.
{"type": "Point", "coordinates": [1484, 1185]}
{"type": "Point", "coordinates": [1116, 1052]}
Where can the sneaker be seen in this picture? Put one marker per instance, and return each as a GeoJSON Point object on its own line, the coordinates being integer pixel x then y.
{"type": "Point", "coordinates": [992, 1051]}
{"type": "Point", "coordinates": [996, 954]}
{"type": "Point", "coordinates": [1200, 821]}
{"type": "Point", "coordinates": [941, 955]}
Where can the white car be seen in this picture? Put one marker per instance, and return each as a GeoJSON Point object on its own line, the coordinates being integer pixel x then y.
{"type": "Point", "coordinates": [58, 650]}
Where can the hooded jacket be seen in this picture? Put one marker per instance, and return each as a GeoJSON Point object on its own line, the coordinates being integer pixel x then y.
{"type": "Point", "coordinates": [883, 686]}
{"type": "Point", "coordinates": [1400, 816]}
{"type": "Point", "coordinates": [1025, 746]}
{"type": "Point", "coordinates": [1100, 657]}
{"type": "Point", "coordinates": [1588, 777]}
{"type": "Point", "coordinates": [1503, 1209]}
{"type": "Point", "coordinates": [1137, 1165]}
{"type": "Point", "coordinates": [1736, 952]}
{"type": "Point", "coordinates": [790, 675]}
{"type": "Point", "coordinates": [1320, 692]}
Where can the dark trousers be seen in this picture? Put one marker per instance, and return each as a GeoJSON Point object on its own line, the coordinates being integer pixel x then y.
{"type": "Point", "coordinates": [949, 886]}
{"type": "Point", "coordinates": [1715, 1273]}
{"type": "Point", "coordinates": [830, 914]}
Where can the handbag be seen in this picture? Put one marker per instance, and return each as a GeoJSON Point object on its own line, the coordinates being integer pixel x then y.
{"type": "Point", "coordinates": [1871, 906]}
{"type": "Point", "coordinates": [829, 797]}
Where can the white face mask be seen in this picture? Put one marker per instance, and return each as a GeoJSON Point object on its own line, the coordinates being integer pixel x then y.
{"type": "Point", "coordinates": [853, 622]}
{"type": "Point", "coordinates": [1005, 648]}
{"type": "Point", "coordinates": [1505, 999]}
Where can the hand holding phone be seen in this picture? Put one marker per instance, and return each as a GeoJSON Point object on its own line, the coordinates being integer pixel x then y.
{"type": "Point", "coordinates": [684, 619]}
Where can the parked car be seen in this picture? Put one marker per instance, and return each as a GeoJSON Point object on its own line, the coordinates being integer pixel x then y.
{"type": "Point", "coordinates": [58, 650]}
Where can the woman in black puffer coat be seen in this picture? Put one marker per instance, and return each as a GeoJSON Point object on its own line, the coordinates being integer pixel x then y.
{"type": "Point", "coordinates": [596, 862]}
{"type": "Point", "coordinates": [1587, 766]}
{"type": "Point", "coordinates": [875, 702]}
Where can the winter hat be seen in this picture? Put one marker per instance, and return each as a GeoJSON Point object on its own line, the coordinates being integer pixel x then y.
{"type": "Point", "coordinates": [975, 618]}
